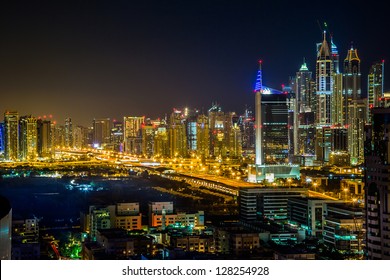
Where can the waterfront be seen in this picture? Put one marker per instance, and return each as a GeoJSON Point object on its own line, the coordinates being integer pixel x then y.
{"type": "Point", "coordinates": [54, 203]}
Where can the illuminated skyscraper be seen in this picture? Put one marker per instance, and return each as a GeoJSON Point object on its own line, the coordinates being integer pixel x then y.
{"type": "Point", "coordinates": [45, 139]}
{"type": "Point", "coordinates": [101, 132]}
{"type": "Point", "coordinates": [271, 127]}
{"type": "Point", "coordinates": [303, 123]}
{"type": "Point", "coordinates": [177, 135]}
{"type": "Point", "coordinates": [28, 141]}
{"type": "Point", "coordinates": [203, 136]}
{"type": "Point", "coordinates": [233, 136]}
{"type": "Point", "coordinates": [247, 124]}
{"type": "Point", "coordinates": [355, 107]}
{"type": "Point", "coordinates": [191, 125]}
{"type": "Point", "coordinates": [80, 137]}
{"type": "Point", "coordinates": [59, 136]}
{"type": "Point", "coordinates": [324, 83]}
{"type": "Point", "coordinates": [216, 126]}
{"type": "Point", "coordinates": [161, 143]}
{"type": "Point", "coordinates": [1, 138]}
{"type": "Point", "coordinates": [147, 132]}
{"type": "Point", "coordinates": [375, 87]}
{"type": "Point", "coordinates": [275, 128]}
{"type": "Point", "coordinates": [377, 178]}
{"type": "Point", "coordinates": [68, 133]}
{"type": "Point", "coordinates": [352, 80]}
{"type": "Point", "coordinates": [303, 88]}
{"type": "Point", "coordinates": [132, 134]}
{"type": "Point", "coordinates": [11, 135]}
{"type": "Point", "coordinates": [337, 100]}
{"type": "Point", "coordinates": [117, 136]}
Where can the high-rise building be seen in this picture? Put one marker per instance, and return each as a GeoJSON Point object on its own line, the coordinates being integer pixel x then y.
{"type": "Point", "coordinates": [28, 141]}
{"type": "Point", "coordinates": [303, 110]}
{"type": "Point", "coordinates": [275, 128]}
{"type": "Point", "coordinates": [352, 81]}
{"type": "Point", "coordinates": [216, 126]}
{"type": "Point", "coordinates": [354, 109]}
{"type": "Point", "coordinates": [117, 136]}
{"type": "Point", "coordinates": [337, 95]}
{"type": "Point", "coordinates": [375, 86]}
{"type": "Point", "coordinates": [306, 134]}
{"type": "Point", "coordinates": [271, 123]}
{"type": "Point", "coordinates": [68, 133]}
{"type": "Point", "coordinates": [303, 88]}
{"type": "Point", "coordinates": [101, 132]}
{"type": "Point", "coordinates": [177, 135]}
{"type": "Point", "coordinates": [324, 83]}
{"type": "Point", "coordinates": [233, 136]}
{"type": "Point", "coordinates": [59, 136]}
{"type": "Point", "coordinates": [203, 136]}
{"type": "Point", "coordinates": [161, 143]}
{"type": "Point", "coordinates": [80, 137]}
{"type": "Point", "coordinates": [247, 124]}
{"type": "Point", "coordinates": [132, 134]}
{"type": "Point", "coordinates": [336, 115]}
{"type": "Point", "coordinates": [191, 125]}
{"type": "Point", "coordinates": [1, 137]}
{"type": "Point", "coordinates": [45, 139]}
{"type": "Point", "coordinates": [323, 143]}
{"type": "Point", "coordinates": [147, 132]}
{"type": "Point", "coordinates": [11, 135]}
{"type": "Point", "coordinates": [357, 116]}
{"type": "Point", "coordinates": [377, 178]}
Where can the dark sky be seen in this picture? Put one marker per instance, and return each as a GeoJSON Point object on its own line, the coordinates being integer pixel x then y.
{"type": "Point", "coordinates": [97, 59]}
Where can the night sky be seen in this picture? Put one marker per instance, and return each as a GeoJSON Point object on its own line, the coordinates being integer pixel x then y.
{"type": "Point", "coordinates": [99, 59]}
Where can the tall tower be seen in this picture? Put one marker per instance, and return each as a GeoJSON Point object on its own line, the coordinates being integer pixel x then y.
{"type": "Point", "coordinates": [132, 134]}
{"type": "Point", "coordinates": [45, 139]}
{"type": "Point", "coordinates": [375, 86]}
{"type": "Point", "coordinates": [28, 146]}
{"type": "Point", "coordinates": [274, 135]}
{"type": "Point", "coordinates": [337, 103]}
{"type": "Point", "coordinates": [68, 133]}
{"type": "Point", "coordinates": [324, 83]}
{"type": "Point", "coordinates": [203, 136]}
{"type": "Point", "coordinates": [101, 132]}
{"type": "Point", "coordinates": [11, 135]}
{"type": "Point", "coordinates": [177, 135]}
{"type": "Point", "coordinates": [304, 128]}
{"type": "Point", "coordinates": [355, 107]}
{"type": "Point", "coordinates": [352, 79]}
{"type": "Point", "coordinates": [258, 122]}
{"type": "Point", "coordinates": [147, 132]}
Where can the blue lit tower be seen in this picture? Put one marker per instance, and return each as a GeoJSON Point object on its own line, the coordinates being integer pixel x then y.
{"type": "Point", "coordinates": [258, 122]}
{"type": "Point", "coordinates": [335, 56]}
{"type": "Point", "coordinates": [271, 119]}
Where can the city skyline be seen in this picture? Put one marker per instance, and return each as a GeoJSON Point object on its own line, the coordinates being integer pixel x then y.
{"type": "Point", "coordinates": [114, 60]}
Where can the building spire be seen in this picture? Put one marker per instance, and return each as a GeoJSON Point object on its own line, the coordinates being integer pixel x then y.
{"type": "Point", "coordinates": [259, 79]}
{"type": "Point", "coordinates": [304, 67]}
